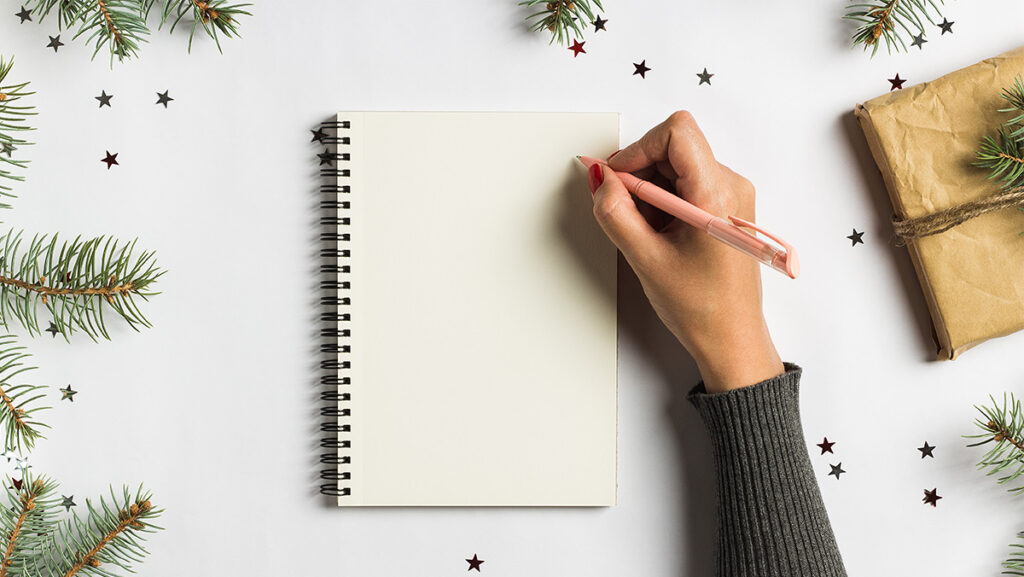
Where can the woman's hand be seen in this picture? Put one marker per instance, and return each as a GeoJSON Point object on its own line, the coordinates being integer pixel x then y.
{"type": "Point", "coordinates": [708, 294]}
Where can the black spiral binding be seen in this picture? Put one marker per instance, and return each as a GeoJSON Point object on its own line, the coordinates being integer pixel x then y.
{"type": "Point", "coordinates": [334, 319]}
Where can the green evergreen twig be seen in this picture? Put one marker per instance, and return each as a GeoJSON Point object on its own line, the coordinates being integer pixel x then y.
{"type": "Point", "coordinates": [26, 522]}
{"type": "Point", "coordinates": [1004, 426]}
{"type": "Point", "coordinates": [1003, 154]}
{"type": "Point", "coordinates": [565, 19]}
{"type": "Point", "coordinates": [892, 22]}
{"type": "Point", "coordinates": [13, 115]}
{"type": "Point", "coordinates": [217, 17]}
{"type": "Point", "coordinates": [17, 415]}
{"type": "Point", "coordinates": [76, 281]}
{"type": "Point", "coordinates": [110, 536]}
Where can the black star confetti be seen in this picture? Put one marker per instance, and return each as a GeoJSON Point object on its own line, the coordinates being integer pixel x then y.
{"type": "Point", "coordinates": [67, 502]}
{"type": "Point", "coordinates": [641, 69]}
{"type": "Point", "coordinates": [826, 447]}
{"type": "Point", "coordinates": [577, 48]}
{"type": "Point", "coordinates": [946, 26]}
{"type": "Point", "coordinates": [856, 237]}
{"type": "Point", "coordinates": [837, 470]}
{"type": "Point", "coordinates": [68, 393]}
{"type": "Point", "coordinates": [599, 24]}
{"type": "Point", "coordinates": [55, 43]}
{"type": "Point", "coordinates": [24, 15]}
{"type": "Point", "coordinates": [104, 99]}
{"type": "Point", "coordinates": [164, 98]}
{"type": "Point", "coordinates": [705, 77]}
{"type": "Point", "coordinates": [897, 83]}
{"type": "Point", "coordinates": [474, 563]}
{"type": "Point", "coordinates": [926, 450]}
{"type": "Point", "coordinates": [931, 497]}
{"type": "Point", "coordinates": [919, 41]}
{"type": "Point", "coordinates": [318, 135]}
{"type": "Point", "coordinates": [111, 159]}
{"type": "Point", "coordinates": [326, 158]}
{"type": "Point", "coordinates": [53, 330]}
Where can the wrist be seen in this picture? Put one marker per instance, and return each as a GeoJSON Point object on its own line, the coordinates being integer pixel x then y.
{"type": "Point", "coordinates": [739, 364]}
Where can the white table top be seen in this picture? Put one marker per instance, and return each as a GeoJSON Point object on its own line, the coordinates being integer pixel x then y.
{"type": "Point", "coordinates": [214, 408]}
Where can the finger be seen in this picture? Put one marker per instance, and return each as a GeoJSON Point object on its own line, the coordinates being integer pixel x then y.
{"type": "Point", "coordinates": [620, 219]}
{"type": "Point", "coordinates": [679, 142]}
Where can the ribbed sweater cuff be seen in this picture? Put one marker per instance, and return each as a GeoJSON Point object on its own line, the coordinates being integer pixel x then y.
{"type": "Point", "coordinates": [772, 521]}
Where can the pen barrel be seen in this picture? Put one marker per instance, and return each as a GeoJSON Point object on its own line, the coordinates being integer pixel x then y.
{"type": "Point", "coordinates": [748, 244]}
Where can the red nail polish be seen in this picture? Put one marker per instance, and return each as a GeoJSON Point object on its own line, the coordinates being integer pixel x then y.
{"type": "Point", "coordinates": [613, 154]}
{"type": "Point", "coordinates": [595, 176]}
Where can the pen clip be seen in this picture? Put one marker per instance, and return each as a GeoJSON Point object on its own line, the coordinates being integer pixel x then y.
{"type": "Point", "coordinates": [791, 265]}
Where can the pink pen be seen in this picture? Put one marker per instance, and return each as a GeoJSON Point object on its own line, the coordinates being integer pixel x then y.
{"type": "Point", "coordinates": [731, 231]}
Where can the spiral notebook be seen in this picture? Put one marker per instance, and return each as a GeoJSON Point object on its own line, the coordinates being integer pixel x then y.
{"type": "Point", "coordinates": [470, 334]}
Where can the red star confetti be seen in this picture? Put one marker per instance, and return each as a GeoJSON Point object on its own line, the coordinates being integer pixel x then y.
{"type": "Point", "coordinates": [826, 447]}
{"type": "Point", "coordinates": [931, 497]}
{"type": "Point", "coordinates": [897, 83]}
{"type": "Point", "coordinates": [577, 48]}
{"type": "Point", "coordinates": [474, 563]}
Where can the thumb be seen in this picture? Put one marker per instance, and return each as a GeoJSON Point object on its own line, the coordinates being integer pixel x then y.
{"type": "Point", "coordinates": [618, 215]}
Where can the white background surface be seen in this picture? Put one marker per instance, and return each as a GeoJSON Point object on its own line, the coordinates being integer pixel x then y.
{"type": "Point", "coordinates": [213, 408]}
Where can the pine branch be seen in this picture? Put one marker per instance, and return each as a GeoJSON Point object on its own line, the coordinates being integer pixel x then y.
{"type": "Point", "coordinates": [26, 522]}
{"type": "Point", "coordinates": [20, 427]}
{"type": "Point", "coordinates": [75, 281]}
{"type": "Point", "coordinates": [1002, 155]}
{"type": "Point", "coordinates": [1014, 565]}
{"type": "Point", "coordinates": [891, 22]}
{"type": "Point", "coordinates": [13, 116]}
{"type": "Point", "coordinates": [217, 17]}
{"type": "Point", "coordinates": [109, 537]}
{"type": "Point", "coordinates": [120, 25]}
{"type": "Point", "coordinates": [565, 19]}
{"type": "Point", "coordinates": [1004, 426]}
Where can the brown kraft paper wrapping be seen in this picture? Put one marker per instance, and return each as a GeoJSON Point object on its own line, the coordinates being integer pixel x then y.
{"type": "Point", "coordinates": [924, 139]}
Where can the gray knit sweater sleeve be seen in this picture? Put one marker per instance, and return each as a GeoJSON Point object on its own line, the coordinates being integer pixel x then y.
{"type": "Point", "coordinates": [771, 520]}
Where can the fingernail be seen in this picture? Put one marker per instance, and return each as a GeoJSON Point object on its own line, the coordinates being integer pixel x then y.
{"type": "Point", "coordinates": [613, 154]}
{"type": "Point", "coordinates": [595, 176]}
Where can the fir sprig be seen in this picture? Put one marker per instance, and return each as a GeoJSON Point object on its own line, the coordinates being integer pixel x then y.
{"type": "Point", "coordinates": [1004, 426]}
{"type": "Point", "coordinates": [26, 522]}
{"type": "Point", "coordinates": [1003, 154]}
{"type": "Point", "coordinates": [1015, 564]}
{"type": "Point", "coordinates": [17, 413]}
{"type": "Point", "coordinates": [76, 281]}
{"type": "Point", "coordinates": [892, 22]}
{"type": "Point", "coordinates": [565, 19]}
{"type": "Point", "coordinates": [120, 26]}
{"type": "Point", "coordinates": [14, 114]}
{"type": "Point", "coordinates": [110, 536]}
{"type": "Point", "coordinates": [217, 17]}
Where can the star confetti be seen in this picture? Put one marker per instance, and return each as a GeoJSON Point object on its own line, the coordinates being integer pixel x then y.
{"type": "Point", "coordinates": [599, 24]}
{"type": "Point", "coordinates": [111, 160]}
{"type": "Point", "coordinates": [577, 48]}
{"type": "Point", "coordinates": [24, 15]}
{"type": "Point", "coordinates": [68, 393]}
{"type": "Point", "coordinates": [919, 41]}
{"type": "Point", "coordinates": [474, 563]}
{"type": "Point", "coordinates": [16, 484]}
{"type": "Point", "coordinates": [946, 26]}
{"type": "Point", "coordinates": [826, 447]}
{"type": "Point", "coordinates": [641, 69]}
{"type": "Point", "coordinates": [104, 99]}
{"type": "Point", "coordinates": [837, 470]}
{"type": "Point", "coordinates": [318, 135]}
{"type": "Point", "coordinates": [856, 237]}
{"type": "Point", "coordinates": [705, 77]}
{"type": "Point", "coordinates": [931, 497]}
{"type": "Point", "coordinates": [22, 465]}
{"type": "Point", "coordinates": [53, 330]}
{"type": "Point", "coordinates": [163, 98]}
{"type": "Point", "coordinates": [926, 450]}
{"type": "Point", "coordinates": [8, 149]}
{"type": "Point", "coordinates": [67, 502]}
{"type": "Point", "coordinates": [326, 158]}
{"type": "Point", "coordinates": [55, 43]}
{"type": "Point", "coordinates": [897, 83]}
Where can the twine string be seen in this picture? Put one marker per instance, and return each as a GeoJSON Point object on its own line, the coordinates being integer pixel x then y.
{"type": "Point", "coordinates": [946, 219]}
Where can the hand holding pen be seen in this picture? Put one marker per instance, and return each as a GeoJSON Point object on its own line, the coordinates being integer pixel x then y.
{"type": "Point", "coordinates": [704, 290]}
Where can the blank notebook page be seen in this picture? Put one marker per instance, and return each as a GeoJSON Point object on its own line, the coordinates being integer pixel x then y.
{"type": "Point", "coordinates": [483, 320]}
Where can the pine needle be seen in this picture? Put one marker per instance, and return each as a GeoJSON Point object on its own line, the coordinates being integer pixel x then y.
{"type": "Point", "coordinates": [565, 19]}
